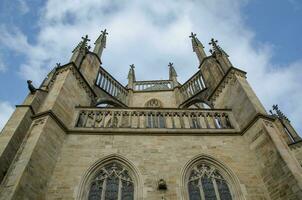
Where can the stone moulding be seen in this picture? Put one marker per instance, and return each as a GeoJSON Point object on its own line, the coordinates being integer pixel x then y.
{"type": "Point", "coordinates": [79, 77]}
{"type": "Point", "coordinates": [53, 116]}
{"type": "Point", "coordinates": [295, 145]}
{"type": "Point", "coordinates": [229, 77]}
{"type": "Point", "coordinates": [82, 189]}
{"type": "Point", "coordinates": [226, 172]}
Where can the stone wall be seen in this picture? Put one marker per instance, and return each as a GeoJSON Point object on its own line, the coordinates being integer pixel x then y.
{"type": "Point", "coordinates": [166, 97]}
{"type": "Point", "coordinates": [296, 149]}
{"type": "Point", "coordinates": [279, 169]}
{"type": "Point", "coordinates": [33, 165]}
{"type": "Point", "coordinates": [155, 157]}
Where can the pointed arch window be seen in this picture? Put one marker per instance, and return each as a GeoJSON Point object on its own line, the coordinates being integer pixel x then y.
{"type": "Point", "coordinates": [112, 182]}
{"type": "Point", "coordinates": [206, 183]}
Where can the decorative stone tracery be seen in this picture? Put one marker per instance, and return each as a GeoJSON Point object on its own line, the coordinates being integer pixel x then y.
{"type": "Point", "coordinates": [206, 183]}
{"type": "Point", "coordinates": [111, 178]}
{"type": "Point", "coordinates": [112, 182]}
{"type": "Point", "coordinates": [205, 178]}
{"type": "Point", "coordinates": [153, 103]}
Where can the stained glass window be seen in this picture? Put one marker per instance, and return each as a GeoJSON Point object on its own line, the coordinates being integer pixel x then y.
{"type": "Point", "coordinates": [112, 183]}
{"type": "Point", "coordinates": [195, 123]}
{"type": "Point", "coordinates": [224, 191]}
{"type": "Point", "coordinates": [206, 183]}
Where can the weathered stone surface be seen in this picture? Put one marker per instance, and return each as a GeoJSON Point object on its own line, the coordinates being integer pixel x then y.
{"type": "Point", "coordinates": [47, 151]}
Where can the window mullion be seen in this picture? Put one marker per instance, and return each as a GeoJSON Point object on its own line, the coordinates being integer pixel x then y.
{"type": "Point", "coordinates": [104, 189]}
{"type": "Point", "coordinates": [119, 189]}
{"type": "Point", "coordinates": [201, 190]}
{"type": "Point", "coordinates": [216, 188]}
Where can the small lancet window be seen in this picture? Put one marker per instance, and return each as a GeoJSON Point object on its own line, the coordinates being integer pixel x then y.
{"type": "Point", "coordinates": [195, 123]}
{"type": "Point", "coordinates": [113, 182]}
{"type": "Point", "coordinates": [206, 183]}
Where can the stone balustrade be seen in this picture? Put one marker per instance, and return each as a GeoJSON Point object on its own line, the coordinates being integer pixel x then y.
{"type": "Point", "coordinates": [107, 83]}
{"type": "Point", "coordinates": [193, 86]}
{"type": "Point", "coordinates": [152, 85]}
{"type": "Point", "coordinates": [139, 118]}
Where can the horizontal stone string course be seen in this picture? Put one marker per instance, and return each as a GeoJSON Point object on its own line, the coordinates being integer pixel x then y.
{"type": "Point", "coordinates": [193, 86]}
{"type": "Point", "coordinates": [111, 86]}
{"type": "Point", "coordinates": [127, 118]}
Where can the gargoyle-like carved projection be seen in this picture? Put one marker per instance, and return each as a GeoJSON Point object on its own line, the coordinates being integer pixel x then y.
{"type": "Point", "coordinates": [113, 182]}
{"type": "Point", "coordinates": [206, 183]}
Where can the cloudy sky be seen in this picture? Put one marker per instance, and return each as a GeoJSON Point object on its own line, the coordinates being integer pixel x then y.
{"type": "Point", "coordinates": [261, 37]}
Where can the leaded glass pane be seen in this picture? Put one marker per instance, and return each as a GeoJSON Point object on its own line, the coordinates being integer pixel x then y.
{"type": "Point", "coordinates": [112, 182]}
{"type": "Point", "coordinates": [223, 189]}
{"type": "Point", "coordinates": [161, 121]}
{"type": "Point", "coordinates": [155, 121]}
{"type": "Point", "coordinates": [127, 190]}
{"type": "Point", "coordinates": [149, 121]}
{"type": "Point", "coordinates": [112, 186]}
{"type": "Point", "coordinates": [195, 123]}
{"type": "Point", "coordinates": [95, 192]}
{"type": "Point", "coordinates": [194, 191]}
{"type": "Point", "coordinates": [208, 188]}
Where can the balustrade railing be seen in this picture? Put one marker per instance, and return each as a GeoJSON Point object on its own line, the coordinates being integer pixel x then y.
{"type": "Point", "coordinates": [154, 119]}
{"type": "Point", "coordinates": [106, 82]}
{"type": "Point", "coordinates": [152, 85]}
{"type": "Point", "coordinates": [194, 85]}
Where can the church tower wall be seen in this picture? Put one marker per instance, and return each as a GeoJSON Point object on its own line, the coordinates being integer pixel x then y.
{"type": "Point", "coordinates": [159, 129]}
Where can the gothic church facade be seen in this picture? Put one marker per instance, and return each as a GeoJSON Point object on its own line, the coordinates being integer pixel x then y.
{"type": "Point", "coordinates": [83, 135]}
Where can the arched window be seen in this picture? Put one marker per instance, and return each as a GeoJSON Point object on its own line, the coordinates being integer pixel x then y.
{"type": "Point", "coordinates": [105, 105]}
{"type": "Point", "coordinates": [206, 183]}
{"type": "Point", "coordinates": [199, 105]}
{"type": "Point", "coordinates": [205, 178]}
{"type": "Point", "coordinates": [113, 177]}
{"type": "Point", "coordinates": [112, 182]}
{"type": "Point", "coordinates": [153, 103]}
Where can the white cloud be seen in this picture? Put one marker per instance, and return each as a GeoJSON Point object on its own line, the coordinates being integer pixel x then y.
{"type": "Point", "coordinates": [6, 111]}
{"type": "Point", "coordinates": [152, 33]}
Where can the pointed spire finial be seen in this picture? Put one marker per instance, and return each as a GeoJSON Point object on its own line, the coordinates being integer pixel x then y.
{"type": "Point", "coordinates": [100, 43]}
{"type": "Point", "coordinates": [170, 64]}
{"type": "Point", "coordinates": [83, 45]}
{"type": "Point", "coordinates": [214, 43]}
{"type": "Point", "coordinates": [279, 113]}
{"type": "Point", "coordinates": [193, 35]}
{"type": "Point", "coordinates": [104, 32]}
{"type": "Point", "coordinates": [198, 48]}
{"type": "Point", "coordinates": [216, 48]}
{"type": "Point", "coordinates": [85, 39]}
{"type": "Point", "coordinates": [132, 66]}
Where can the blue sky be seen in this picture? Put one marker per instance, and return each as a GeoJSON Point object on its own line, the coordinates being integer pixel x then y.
{"type": "Point", "coordinates": [261, 37]}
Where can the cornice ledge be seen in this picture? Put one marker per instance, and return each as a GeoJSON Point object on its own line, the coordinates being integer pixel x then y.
{"type": "Point", "coordinates": [296, 144]}
{"type": "Point", "coordinates": [27, 106]}
{"type": "Point", "coordinates": [79, 77]}
{"type": "Point", "coordinates": [255, 119]}
{"type": "Point", "coordinates": [229, 77]}
{"type": "Point", "coordinates": [53, 116]}
{"type": "Point", "coordinates": [148, 131]}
